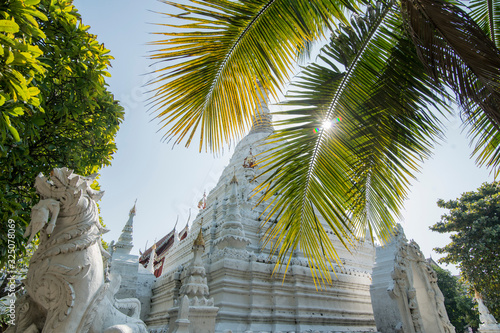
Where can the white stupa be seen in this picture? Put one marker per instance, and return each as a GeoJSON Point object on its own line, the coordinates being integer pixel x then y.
{"type": "Point", "coordinates": [239, 292]}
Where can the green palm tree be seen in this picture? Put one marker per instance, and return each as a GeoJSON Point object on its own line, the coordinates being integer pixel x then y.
{"type": "Point", "coordinates": [381, 76]}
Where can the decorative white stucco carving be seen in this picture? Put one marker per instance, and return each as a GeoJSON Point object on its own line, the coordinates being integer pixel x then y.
{"type": "Point", "coordinates": [405, 295]}
{"type": "Point", "coordinates": [194, 311]}
{"type": "Point", "coordinates": [232, 233]}
{"type": "Point", "coordinates": [488, 322]}
{"type": "Point", "coordinates": [65, 284]}
{"type": "Point", "coordinates": [152, 258]}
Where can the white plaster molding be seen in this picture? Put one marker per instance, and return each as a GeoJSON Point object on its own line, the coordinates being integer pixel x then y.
{"type": "Point", "coordinates": [488, 322]}
{"type": "Point", "coordinates": [405, 294]}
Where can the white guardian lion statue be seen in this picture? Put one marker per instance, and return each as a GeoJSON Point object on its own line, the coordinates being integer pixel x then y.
{"type": "Point", "coordinates": [66, 289]}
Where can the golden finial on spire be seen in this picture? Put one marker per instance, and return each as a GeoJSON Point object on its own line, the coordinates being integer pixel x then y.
{"type": "Point", "coordinates": [132, 211]}
{"type": "Point", "coordinates": [234, 180]}
{"type": "Point", "coordinates": [199, 241]}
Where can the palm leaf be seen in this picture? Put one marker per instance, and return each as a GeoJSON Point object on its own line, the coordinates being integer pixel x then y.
{"type": "Point", "coordinates": [209, 81]}
{"type": "Point", "coordinates": [486, 137]}
{"type": "Point", "coordinates": [353, 176]}
{"type": "Point", "coordinates": [486, 13]}
{"type": "Point", "coordinates": [482, 131]}
{"type": "Point", "coordinates": [457, 51]}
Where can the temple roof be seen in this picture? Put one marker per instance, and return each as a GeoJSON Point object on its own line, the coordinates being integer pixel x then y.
{"type": "Point", "coordinates": [163, 245]}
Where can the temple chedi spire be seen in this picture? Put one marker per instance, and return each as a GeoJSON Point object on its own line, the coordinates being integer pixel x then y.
{"type": "Point", "coordinates": [124, 244]}
{"type": "Point", "coordinates": [196, 280]}
{"type": "Point", "coordinates": [237, 270]}
{"type": "Point", "coordinates": [262, 121]}
{"type": "Point", "coordinates": [126, 265]}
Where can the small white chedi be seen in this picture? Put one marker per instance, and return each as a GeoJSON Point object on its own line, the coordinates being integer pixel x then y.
{"type": "Point", "coordinates": [66, 286]}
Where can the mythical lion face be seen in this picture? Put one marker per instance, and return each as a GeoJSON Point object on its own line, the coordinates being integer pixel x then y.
{"type": "Point", "coordinates": [69, 189]}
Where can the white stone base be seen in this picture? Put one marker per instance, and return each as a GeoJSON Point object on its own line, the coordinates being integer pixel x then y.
{"type": "Point", "coordinates": [489, 328]}
{"type": "Point", "coordinates": [250, 299]}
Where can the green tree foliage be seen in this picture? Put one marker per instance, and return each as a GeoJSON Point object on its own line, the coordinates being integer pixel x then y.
{"type": "Point", "coordinates": [459, 304]}
{"type": "Point", "coordinates": [19, 63]}
{"type": "Point", "coordinates": [55, 108]}
{"type": "Point", "coordinates": [474, 222]}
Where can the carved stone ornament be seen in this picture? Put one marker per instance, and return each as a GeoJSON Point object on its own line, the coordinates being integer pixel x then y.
{"type": "Point", "coordinates": [65, 284]}
{"type": "Point", "coordinates": [250, 161]}
{"type": "Point", "coordinates": [488, 322]}
{"type": "Point", "coordinates": [411, 301]}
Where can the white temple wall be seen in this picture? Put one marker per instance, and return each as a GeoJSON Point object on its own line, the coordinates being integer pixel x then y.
{"type": "Point", "coordinates": [144, 292]}
{"type": "Point", "coordinates": [134, 283]}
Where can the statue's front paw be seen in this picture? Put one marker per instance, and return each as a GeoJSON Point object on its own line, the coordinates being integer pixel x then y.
{"type": "Point", "coordinates": [119, 329]}
{"type": "Point", "coordinates": [32, 329]}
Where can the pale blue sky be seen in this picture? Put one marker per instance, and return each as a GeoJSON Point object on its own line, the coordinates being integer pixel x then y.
{"type": "Point", "coordinates": [167, 182]}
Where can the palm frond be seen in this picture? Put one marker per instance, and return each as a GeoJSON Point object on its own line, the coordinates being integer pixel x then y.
{"type": "Point", "coordinates": [457, 51]}
{"type": "Point", "coordinates": [209, 80]}
{"type": "Point", "coordinates": [482, 131]}
{"type": "Point", "coordinates": [353, 176]}
{"type": "Point", "coordinates": [486, 13]}
{"type": "Point", "coordinates": [486, 138]}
